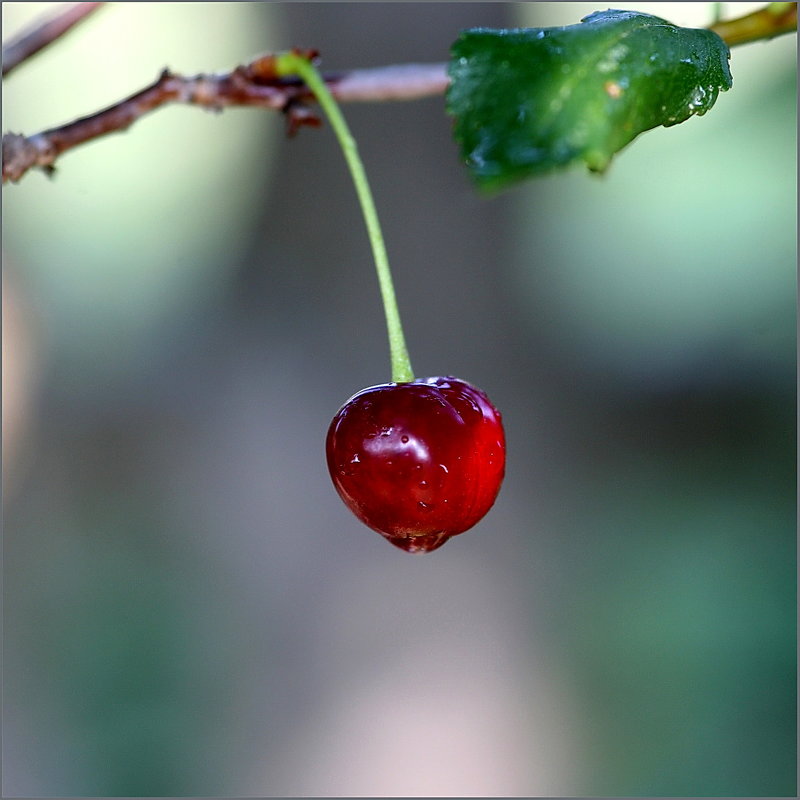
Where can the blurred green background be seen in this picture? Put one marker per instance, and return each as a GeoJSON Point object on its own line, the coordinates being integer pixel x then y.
{"type": "Point", "coordinates": [188, 607]}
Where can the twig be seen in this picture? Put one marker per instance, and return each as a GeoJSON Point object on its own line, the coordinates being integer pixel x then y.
{"type": "Point", "coordinates": [398, 82]}
{"type": "Point", "coordinates": [41, 34]}
{"type": "Point", "coordinates": [257, 85]}
{"type": "Point", "coordinates": [251, 85]}
{"type": "Point", "coordinates": [765, 23]}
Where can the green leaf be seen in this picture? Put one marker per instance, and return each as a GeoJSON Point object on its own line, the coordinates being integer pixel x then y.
{"type": "Point", "coordinates": [527, 101]}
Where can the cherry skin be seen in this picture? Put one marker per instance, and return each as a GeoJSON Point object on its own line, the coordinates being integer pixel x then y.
{"type": "Point", "coordinates": [418, 462]}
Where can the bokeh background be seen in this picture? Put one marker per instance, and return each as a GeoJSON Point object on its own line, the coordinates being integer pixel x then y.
{"type": "Point", "coordinates": [190, 610]}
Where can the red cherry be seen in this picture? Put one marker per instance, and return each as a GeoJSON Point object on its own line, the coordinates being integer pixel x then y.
{"type": "Point", "coordinates": [418, 462]}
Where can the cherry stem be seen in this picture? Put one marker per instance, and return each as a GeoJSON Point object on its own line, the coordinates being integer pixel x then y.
{"type": "Point", "coordinates": [295, 64]}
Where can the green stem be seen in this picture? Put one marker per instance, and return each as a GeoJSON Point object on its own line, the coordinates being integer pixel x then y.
{"type": "Point", "coordinates": [294, 64]}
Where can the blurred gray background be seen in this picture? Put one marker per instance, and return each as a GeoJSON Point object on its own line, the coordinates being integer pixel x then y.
{"type": "Point", "coordinates": [189, 608]}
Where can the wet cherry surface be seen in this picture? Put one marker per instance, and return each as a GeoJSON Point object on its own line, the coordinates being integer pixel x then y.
{"type": "Point", "coordinates": [418, 462]}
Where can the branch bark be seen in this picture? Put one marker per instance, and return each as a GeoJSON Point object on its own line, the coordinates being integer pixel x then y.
{"type": "Point", "coordinates": [764, 23]}
{"type": "Point", "coordinates": [250, 85]}
{"type": "Point", "coordinates": [37, 37]}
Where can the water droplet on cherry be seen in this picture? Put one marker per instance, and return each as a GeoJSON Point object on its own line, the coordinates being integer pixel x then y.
{"type": "Point", "coordinates": [452, 452]}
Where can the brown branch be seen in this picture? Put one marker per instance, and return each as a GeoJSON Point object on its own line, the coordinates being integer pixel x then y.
{"type": "Point", "coordinates": [41, 34]}
{"type": "Point", "coordinates": [251, 85]}
{"type": "Point", "coordinates": [398, 82]}
{"type": "Point", "coordinates": [257, 85]}
{"type": "Point", "coordinates": [765, 23]}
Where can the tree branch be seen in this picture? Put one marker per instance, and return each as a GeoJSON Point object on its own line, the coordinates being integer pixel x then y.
{"type": "Point", "coordinates": [251, 85]}
{"type": "Point", "coordinates": [37, 37]}
{"type": "Point", "coordinates": [765, 23]}
{"type": "Point", "coordinates": [256, 84]}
